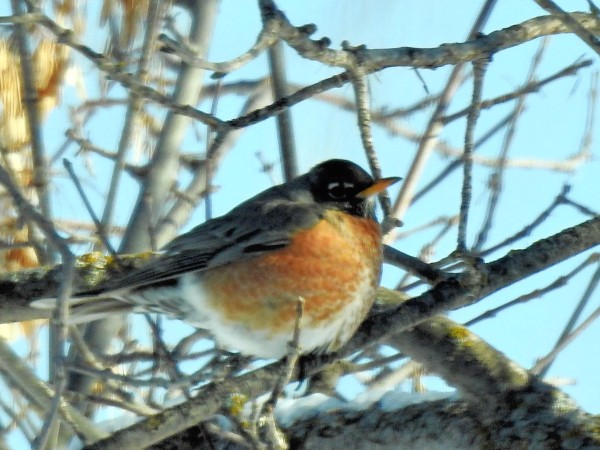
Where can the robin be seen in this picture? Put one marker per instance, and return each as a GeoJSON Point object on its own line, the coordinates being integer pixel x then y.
{"type": "Point", "coordinates": [241, 275]}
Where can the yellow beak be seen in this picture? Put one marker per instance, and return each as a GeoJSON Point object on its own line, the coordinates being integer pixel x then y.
{"type": "Point", "coordinates": [377, 187]}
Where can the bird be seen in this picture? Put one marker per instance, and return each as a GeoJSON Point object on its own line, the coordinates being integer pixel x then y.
{"type": "Point", "coordinates": [240, 276]}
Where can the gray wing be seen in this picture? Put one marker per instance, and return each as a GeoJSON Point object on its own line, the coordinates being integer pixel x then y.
{"type": "Point", "coordinates": [235, 236]}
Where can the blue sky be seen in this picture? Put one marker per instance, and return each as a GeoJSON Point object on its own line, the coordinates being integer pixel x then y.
{"type": "Point", "coordinates": [551, 128]}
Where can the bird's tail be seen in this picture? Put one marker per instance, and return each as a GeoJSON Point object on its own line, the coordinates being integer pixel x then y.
{"type": "Point", "coordinates": [84, 309]}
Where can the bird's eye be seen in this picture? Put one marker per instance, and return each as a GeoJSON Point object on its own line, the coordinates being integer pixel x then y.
{"type": "Point", "coordinates": [339, 191]}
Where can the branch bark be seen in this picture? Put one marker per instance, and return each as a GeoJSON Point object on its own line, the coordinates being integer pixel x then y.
{"type": "Point", "coordinates": [464, 289]}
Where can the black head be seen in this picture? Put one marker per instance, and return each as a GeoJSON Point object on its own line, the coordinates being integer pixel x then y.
{"type": "Point", "coordinates": [341, 184]}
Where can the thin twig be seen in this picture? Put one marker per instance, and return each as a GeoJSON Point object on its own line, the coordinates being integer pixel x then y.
{"type": "Point", "coordinates": [59, 322]}
{"type": "Point", "coordinates": [479, 68]}
{"type": "Point", "coordinates": [40, 395]}
{"type": "Point", "coordinates": [272, 433]}
{"type": "Point", "coordinates": [197, 187]}
{"type": "Point", "coordinates": [266, 38]}
{"type": "Point", "coordinates": [363, 116]}
{"type": "Point", "coordinates": [443, 174]}
{"type": "Point", "coordinates": [208, 161]}
{"type": "Point", "coordinates": [27, 210]}
{"type": "Point", "coordinates": [568, 334]}
{"type": "Point", "coordinates": [581, 208]}
{"type": "Point", "coordinates": [435, 124]}
{"type": "Point", "coordinates": [266, 167]}
{"type": "Point", "coordinates": [571, 23]}
{"type": "Point", "coordinates": [529, 228]}
{"type": "Point", "coordinates": [587, 137]}
{"type": "Point", "coordinates": [60, 329]}
{"type": "Point", "coordinates": [164, 164]}
{"type": "Point", "coordinates": [13, 409]}
{"type": "Point", "coordinates": [530, 87]}
{"type": "Point", "coordinates": [285, 128]}
{"type": "Point", "coordinates": [543, 364]}
{"type": "Point", "coordinates": [496, 179]}
{"type": "Point", "coordinates": [293, 353]}
{"type": "Point", "coordinates": [425, 253]}
{"type": "Point", "coordinates": [524, 232]}
{"type": "Point", "coordinates": [395, 377]}
{"type": "Point", "coordinates": [134, 106]}
{"type": "Point", "coordinates": [160, 382]}
{"type": "Point", "coordinates": [413, 265]}
{"type": "Point", "coordinates": [30, 100]}
{"type": "Point", "coordinates": [135, 407]}
{"type": "Point", "coordinates": [538, 293]}
{"type": "Point", "coordinates": [172, 369]}
{"type": "Point", "coordinates": [88, 206]}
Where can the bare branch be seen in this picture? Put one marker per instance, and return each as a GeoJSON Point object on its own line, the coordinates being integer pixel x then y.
{"type": "Point", "coordinates": [266, 38]}
{"type": "Point", "coordinates": [434, 126]}
{"type": "Point", "coordinates": [568, 334]}
{"type": "Point", "coordinates": [285, 129]}
{"type": "Point", "coordinates": [571, 23]}
{"type": "Point", "coordinates": [496, 179]}
{"type": "Point", "coordinates": [30, 99]}
{"type": "Point", "coordinates": [479, 68]}
{"type": "Point", "coordinates": [41, 395]}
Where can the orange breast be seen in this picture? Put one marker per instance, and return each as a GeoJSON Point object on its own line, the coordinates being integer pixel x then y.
{"type": "Point", "coordinates": [325, 265]}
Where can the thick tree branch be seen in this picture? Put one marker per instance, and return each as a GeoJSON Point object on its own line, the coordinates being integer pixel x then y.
{"type": "Point", "coordinates": [446, 295]}
{"type": "Point", "coordinates": [371, 60]}
{"type": "Point", "coordinates": [497, 390]}
{"type": "Point", "coordinates": [466, 289]}
{"type": "Point", "coordinates": [18, 289]}
{"type": "Point", "coordinates": [41, 396]}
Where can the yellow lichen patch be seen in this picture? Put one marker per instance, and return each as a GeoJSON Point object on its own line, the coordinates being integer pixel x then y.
{"type": "Point", "coordinates": [95, 267]}
{"type": "Point", "coordinates": [152, 422]}
{"type": "Point", "coordinates": [390, 297]}
{"type": "Point", "coordinates": [235, 404]}
{"type": "Point", "coordinates": [102, 261]}
{"type": "Point", "coordinates": [459, 333]}
{"type": "Point", "coordinates": [95, 259]}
